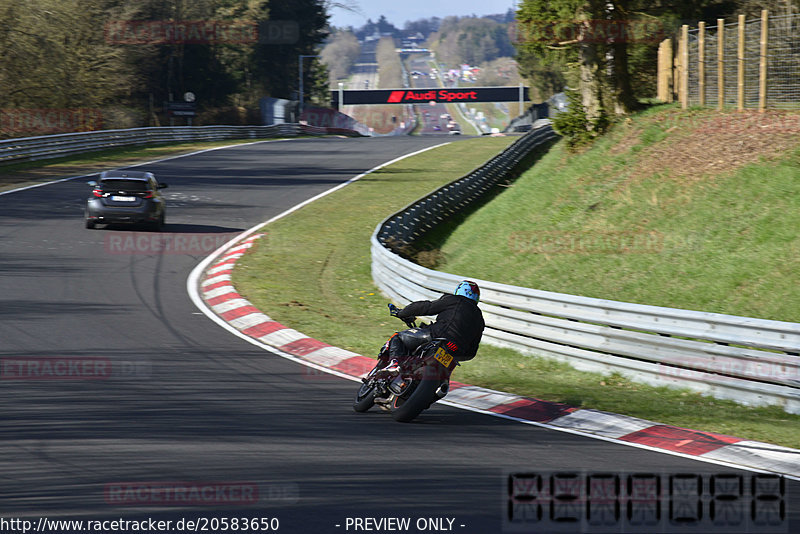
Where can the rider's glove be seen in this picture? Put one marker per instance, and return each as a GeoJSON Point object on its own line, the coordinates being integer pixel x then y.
{"type": "Point", "coordinates": [393, 310]}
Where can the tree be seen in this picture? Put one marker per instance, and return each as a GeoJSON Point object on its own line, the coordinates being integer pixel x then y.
{"type": "Point", "coordinates": [471, 40]}
{"type": "Point", "coordinates": [565, 29]}
{"type": "Point", "coordinates": [752, 8]}
{"type": "Point", "coordinates": [340, 54]}
{"type": "Point", "coordinates": [423, 26]}
{"type": "Point", "coordinates": [384, 26]}
{"type": "Point", "coordinates": [55, 56]}
{"type": "Point", "coordinates": [546, 76]}
{"type": "Point", "coordinates": [499, 72]}
{"type": "Point", "coordinates": [276, 66]}
{"type": "Point", "coordinates": [390, 74]}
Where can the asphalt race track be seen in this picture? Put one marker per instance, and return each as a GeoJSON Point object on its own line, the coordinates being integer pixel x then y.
{"type": "Point", "coordinates": [165, 415]}
{"type": "Point", "coordinates": [430, 115]}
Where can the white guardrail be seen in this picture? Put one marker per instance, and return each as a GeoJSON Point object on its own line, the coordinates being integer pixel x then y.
{"type": "Point", "coordinates": [751, 361]}
{"type": "Point", "coordinates": [55, 146]}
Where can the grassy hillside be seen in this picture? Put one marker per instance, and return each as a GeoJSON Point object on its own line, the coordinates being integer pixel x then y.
{"type": "Point", "coordinates": [687, 209]}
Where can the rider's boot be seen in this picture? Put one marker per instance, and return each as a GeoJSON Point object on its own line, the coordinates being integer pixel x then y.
{"type": "Point", "coordinates": [393, 367]}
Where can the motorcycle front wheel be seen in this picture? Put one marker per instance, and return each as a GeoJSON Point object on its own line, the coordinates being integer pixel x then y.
{"type": "Point", "coordinates": [365, 398]}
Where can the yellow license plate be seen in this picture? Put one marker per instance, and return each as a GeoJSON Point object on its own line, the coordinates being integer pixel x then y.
{"type": "Point", "coordinates": [443, 356]}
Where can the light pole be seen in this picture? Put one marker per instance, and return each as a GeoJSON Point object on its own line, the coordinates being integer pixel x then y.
{"type": "Point", "coordinates": [300, 63]}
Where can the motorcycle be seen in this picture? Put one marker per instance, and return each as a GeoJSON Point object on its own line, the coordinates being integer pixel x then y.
{"type": "Point", "coordinates": [423, 378]}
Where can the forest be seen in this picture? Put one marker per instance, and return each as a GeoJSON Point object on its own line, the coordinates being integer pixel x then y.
{"type": "Point", "coordinates": [122, 59]}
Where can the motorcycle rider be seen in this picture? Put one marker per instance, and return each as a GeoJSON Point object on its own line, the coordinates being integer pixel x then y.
{"type": "Point", "coordinates": [458, 319]}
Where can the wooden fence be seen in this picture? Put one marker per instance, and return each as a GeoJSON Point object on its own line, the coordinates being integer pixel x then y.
{"type": "Point", "coordinates": [747, 64]}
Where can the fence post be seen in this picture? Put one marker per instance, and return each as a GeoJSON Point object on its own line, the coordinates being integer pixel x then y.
{"type": "Point", "coordinates": [676, 69]}
{"type": "Point", "coordinates": [740, 72]}
{"type": "Point", "coordinates": [670, 58]}
{"type": "Point", "coordinates": [660, 71]}
{"type": "Point", "coordinates": [720, 64]}
{"type": "Point", "coordinates": [762, 63]}
{"type": "Point", "coordinates": [665, 71]}
{"type": "Point", "coordinates": [701, 58]}
{"type": "Point", "coordinates": [684, 65]}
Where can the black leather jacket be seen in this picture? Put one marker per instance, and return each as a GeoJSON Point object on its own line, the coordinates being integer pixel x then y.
{"type": "Point", "coordinates": [458, 319]}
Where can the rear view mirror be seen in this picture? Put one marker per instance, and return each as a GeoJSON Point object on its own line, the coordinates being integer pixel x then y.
{"type": "Point", "coordinates": [162, 186]}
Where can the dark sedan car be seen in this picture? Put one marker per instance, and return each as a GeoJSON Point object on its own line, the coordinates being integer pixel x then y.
{"type": "Point", "coordinates": [126, 197]}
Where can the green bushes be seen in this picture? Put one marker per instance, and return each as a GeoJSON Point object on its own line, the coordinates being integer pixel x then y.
{"type": "Point", "coordinates": [575, 126]}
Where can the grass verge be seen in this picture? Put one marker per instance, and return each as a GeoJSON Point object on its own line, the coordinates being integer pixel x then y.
{"type": "Point", "coordinates": [312, 272]}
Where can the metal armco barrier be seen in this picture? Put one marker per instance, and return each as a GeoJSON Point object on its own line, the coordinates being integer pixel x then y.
{"type": "Point", "coordinates": [55, 146]}
{"type": "Point", "coordinates": [411, 223]}
{"type": "Point", "coordinates": [751, 361]}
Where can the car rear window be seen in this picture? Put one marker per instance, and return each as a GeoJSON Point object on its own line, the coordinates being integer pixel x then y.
{"type": "Point", "coordinates": [124, 185]}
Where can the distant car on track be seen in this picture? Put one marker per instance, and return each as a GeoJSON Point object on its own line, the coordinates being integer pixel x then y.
{"type": "Point", "coordinates": [131, 197]}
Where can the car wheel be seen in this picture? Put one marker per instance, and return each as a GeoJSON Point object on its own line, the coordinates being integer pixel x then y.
{"type": "Point", "coordinates": [159, 224]}
{"type": "Point", "coordinates": [90, 224]}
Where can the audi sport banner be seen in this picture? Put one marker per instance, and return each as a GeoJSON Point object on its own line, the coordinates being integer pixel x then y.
{"type": "Point", "coordinates": [423, 96]}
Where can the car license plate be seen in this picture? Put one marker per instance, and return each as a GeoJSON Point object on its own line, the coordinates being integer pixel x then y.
{"type": "Point", "coordinates": [117, 198]}
{"type": "Point", "coordinates": [443, 356]}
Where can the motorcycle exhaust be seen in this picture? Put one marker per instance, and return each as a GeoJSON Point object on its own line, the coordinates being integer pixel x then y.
{"type": "Point", "coordinates": [443, 389]}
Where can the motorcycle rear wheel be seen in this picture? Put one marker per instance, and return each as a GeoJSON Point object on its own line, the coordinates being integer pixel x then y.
{"type": "Point", "coordinates": [407, 407]}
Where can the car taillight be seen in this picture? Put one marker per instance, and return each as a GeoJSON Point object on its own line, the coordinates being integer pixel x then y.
{"type": "Point", "coordinates": [148, 194]}
{"type": "Point", "coordinates": [97, 192]}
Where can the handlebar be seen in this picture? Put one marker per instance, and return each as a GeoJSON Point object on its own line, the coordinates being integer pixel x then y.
{"type": "Point", "coordinates": [410, 321]}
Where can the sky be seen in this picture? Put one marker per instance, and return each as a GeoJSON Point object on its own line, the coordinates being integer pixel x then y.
{"type": "Point", "coordinates": [399, 11]}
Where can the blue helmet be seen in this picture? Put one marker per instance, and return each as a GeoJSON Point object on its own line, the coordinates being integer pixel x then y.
{"type": "Point", "coordinates": [469, 289]}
